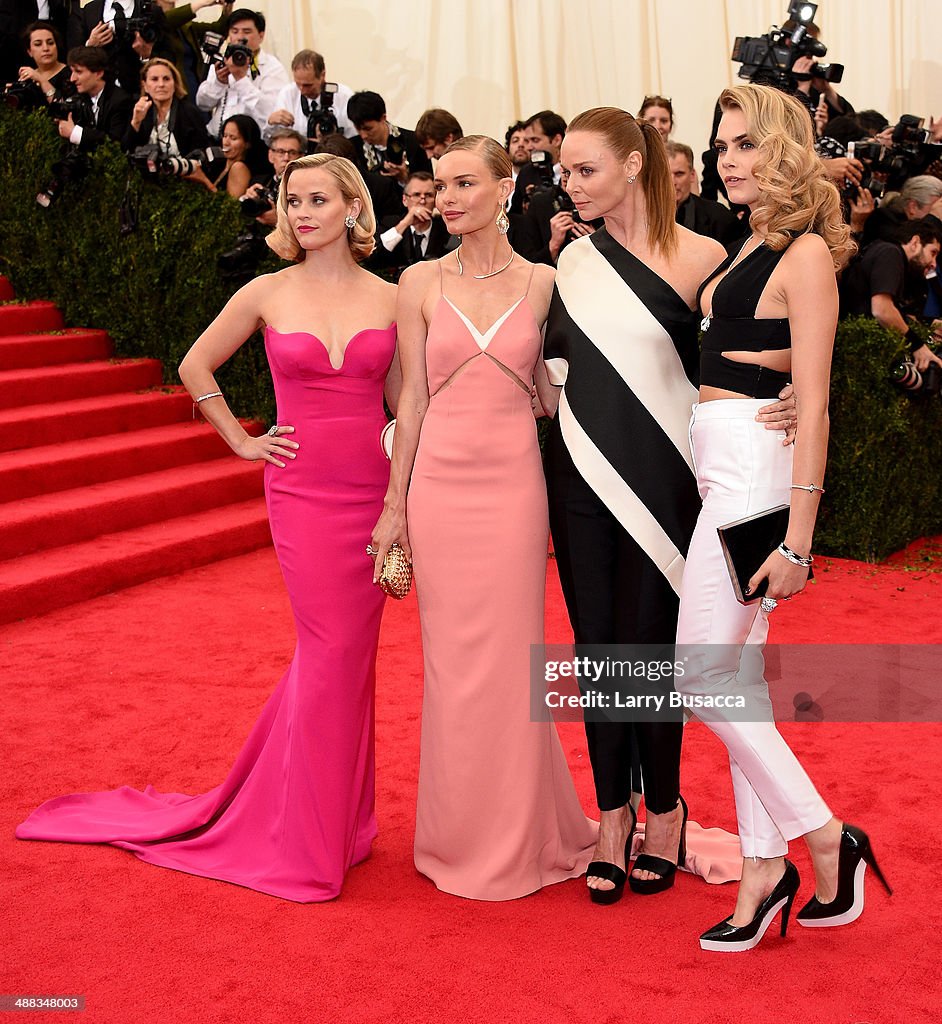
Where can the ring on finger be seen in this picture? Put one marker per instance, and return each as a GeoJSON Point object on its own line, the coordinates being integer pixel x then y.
{"type": "Point", "coordinates": [273, 430]}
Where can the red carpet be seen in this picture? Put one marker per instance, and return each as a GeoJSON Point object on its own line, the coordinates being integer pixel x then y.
{"type": "Point", "coordinates": [106, 480]}
{"type": "Point", "coordinates": [160, 684]}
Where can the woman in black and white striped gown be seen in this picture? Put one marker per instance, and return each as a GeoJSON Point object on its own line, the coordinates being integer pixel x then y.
{"type": "Point", "coordinates": [621, 350]}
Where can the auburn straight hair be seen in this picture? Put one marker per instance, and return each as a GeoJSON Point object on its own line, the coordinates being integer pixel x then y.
{"type": "Point", "coordinates": [624, 134]}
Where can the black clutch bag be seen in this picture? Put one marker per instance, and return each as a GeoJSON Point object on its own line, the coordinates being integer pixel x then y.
{"type": "Point", "coordinates": [747, 543]}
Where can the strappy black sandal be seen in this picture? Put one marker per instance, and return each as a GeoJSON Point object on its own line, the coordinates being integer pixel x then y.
{"type": "Point", "coordinates": [664, 869]}
{"type": "Point", "coordinates": [612, 872]}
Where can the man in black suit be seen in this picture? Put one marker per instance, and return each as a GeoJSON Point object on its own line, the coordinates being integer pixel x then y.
{"type": "Point", "coordinates": [104, 23]}
{"type": "Point", "coordinates": [109, 107]}
{"type": "Point", "coordinates": [15, 15]}
{"type": "Point", "coordinates": [402, 240]}
{"type": "Point", "coordinates": [383, 148]}
{"type": "Point", "coordinates": [704, 216]}
{"type": "Point", "coordinates": [543, 133]}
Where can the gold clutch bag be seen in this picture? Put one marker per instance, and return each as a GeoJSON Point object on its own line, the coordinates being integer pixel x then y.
{"type": "Point", "coordinates": [396, 577]}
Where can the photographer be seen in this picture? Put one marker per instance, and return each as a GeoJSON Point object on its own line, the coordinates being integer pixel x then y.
{"type": "Point", "coordinates": [115, 26]}
{"type": "Point", "coordinates": [436, 130]}
{"type": "Point", "coordinates": [163, 116]}
{"type": "Point", "coordinates": [875, 284]}
{"type": "Point", "coordinates": [920, 196]}
{"type": "Point", "coordinates": [544, 133]}
{"type": "Point", "coordinates": [260, 200]}
{"type": "Point", "coordinates": [383, 148]}
{"type": "Point", "coordinates": [420, 234]}
{"type": "Point", "coordinates": [185, 37]}
{"type": "Point", "coordinates": [703, 216]}
{"type": "Point", "coordinates": [246, 79]}
{"type": "Point", "coordinates": [48, 74]}
{"type": "Point", "coordinates": [311, 105]}
{"type": "Point", "coordinates": [549, 224]}
{"type": "Point", "coordinates": [106, 109]}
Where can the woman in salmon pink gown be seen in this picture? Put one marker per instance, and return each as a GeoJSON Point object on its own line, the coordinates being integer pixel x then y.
{"type": "Point", "coordinates": [296, 810]}
{"type": "Point", "coordinates": [497, 816]}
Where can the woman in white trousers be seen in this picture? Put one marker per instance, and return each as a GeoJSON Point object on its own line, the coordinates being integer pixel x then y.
{"type": "Point", "coordinates": [770, 313]}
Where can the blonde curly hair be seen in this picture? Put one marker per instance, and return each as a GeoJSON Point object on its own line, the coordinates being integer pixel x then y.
{"type": "Point", "coordinates": [360, 238]}
{"type": "Point", "coordinates": [795, 194]}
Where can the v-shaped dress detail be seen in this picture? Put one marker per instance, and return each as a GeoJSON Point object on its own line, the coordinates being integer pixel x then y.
{"type": "Point", "coordinates": [296, 809]}
{"type": "Point", "coordinates": [498, 816]}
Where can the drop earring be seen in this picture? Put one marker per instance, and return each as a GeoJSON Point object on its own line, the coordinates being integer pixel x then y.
{"type": "Point", "coordinates": [503, 223]}
{"type": "Point", "coordinates": [350, 220]}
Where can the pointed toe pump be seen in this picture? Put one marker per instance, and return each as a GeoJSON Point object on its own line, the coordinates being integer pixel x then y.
{"type": "Point", "coordinates": [727, 938]}
{"type": "Point", "coordinates": [855, 856]}
{"type": "Point", "coordinates": [664, 869]}
{"type": "Point", "coordinates": [612, 872]}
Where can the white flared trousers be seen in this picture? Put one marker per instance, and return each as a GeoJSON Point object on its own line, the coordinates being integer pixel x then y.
{"type": "Point", "coordinates": [742, 469]}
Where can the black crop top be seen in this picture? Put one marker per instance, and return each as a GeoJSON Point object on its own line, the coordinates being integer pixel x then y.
{"type": "Point", "coordinates": [734, 327]}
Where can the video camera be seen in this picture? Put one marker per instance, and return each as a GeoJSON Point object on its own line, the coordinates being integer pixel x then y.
{"type": "Point", "coordinates": [769, 59]}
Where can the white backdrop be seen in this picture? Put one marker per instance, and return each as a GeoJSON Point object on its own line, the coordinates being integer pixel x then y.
{"type": "Point", "coordinates": [493, 61]}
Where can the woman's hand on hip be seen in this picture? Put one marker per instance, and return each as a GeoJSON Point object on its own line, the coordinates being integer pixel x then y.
{"type": "Point", "coordinates": [781, 415]}
{"type": "Point", "coordinates": [269, 447]}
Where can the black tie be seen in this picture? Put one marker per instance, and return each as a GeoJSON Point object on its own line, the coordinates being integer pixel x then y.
{"type": "Point", "coordinates": [418, 242]}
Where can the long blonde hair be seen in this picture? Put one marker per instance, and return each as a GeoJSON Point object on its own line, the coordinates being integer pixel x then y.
{"type": "Point", "coordinates": [795, 194]}
{"type": "Point", "coordinates": [360, 238]}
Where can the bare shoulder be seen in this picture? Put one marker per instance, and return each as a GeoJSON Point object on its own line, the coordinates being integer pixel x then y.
{"type": "Point", "coordinates": [810, 247]}
{"type": "Point", "coordinates": [541, 291]}
{"type": "Point", "coordinates": [699, 249]}
{"type": "Point", "coordinates": [415, 280]}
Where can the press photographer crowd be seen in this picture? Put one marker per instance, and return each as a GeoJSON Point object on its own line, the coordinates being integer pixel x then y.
{"type": "Point", "coordinates": [204, 101]}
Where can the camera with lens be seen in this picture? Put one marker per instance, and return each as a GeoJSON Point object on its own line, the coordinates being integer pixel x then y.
{"type": "Point", "coordinates": [71, 168]}
{"type": "Point", "coordinates": [322, 120]}
{"type": "Point", "coordinates": [542, 162]}
{"type": "Point", "coordinates": [264, 200]}
{"type": "Point", "coordinates": [909, 153]}
{"type": "Point", "coordinates": [215, 51]}
{"type": "Point", "coordinates": [25, 96]}
{"type": "Point", "coordinates": [147, 23]}
{"type": "Point", "coordinates": [769, 59]}
{"type": "Point", "coordinates": [78, 107]}
{"type": "Point", "coordinates": [869, 154]}
{"type": "Point", "coordinates": [240, 261]}
{"type": "Point", "coordinates": [926, 382]}
{"type": "Point", "coordinates": [154, 162]}
{"type": "Point", "coordinates": [240, 53]}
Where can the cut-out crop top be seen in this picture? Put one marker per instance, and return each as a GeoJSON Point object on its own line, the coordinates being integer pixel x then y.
{"type": "Point", "coordinates": [734, 327]}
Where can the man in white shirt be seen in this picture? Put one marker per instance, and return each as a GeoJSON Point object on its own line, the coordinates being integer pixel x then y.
{"type": "Point", "coordinates": [308, 95]}
{"type": "Point", "coordinates": [243, 88]}
{"type": "Point", "coordinates": [418, 235]}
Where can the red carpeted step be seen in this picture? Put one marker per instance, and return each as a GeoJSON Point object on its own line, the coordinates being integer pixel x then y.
{"type": "Point", "coordinates": [96, 460]}
{"type": "Point", "coordinates": [52, 579]}
{"type": "Point", "coordinates": [21, 351]}
{"type": "Point", "coordinates": [68, 517]}
{"type": "Point", "coordinates": [33, 425]}
{"type": "Point", "coordinates": [26, 317]}
{"type": "Point", "coordinates": [6, 289]}
{"type": "Point", "coordinates": [77, 380]}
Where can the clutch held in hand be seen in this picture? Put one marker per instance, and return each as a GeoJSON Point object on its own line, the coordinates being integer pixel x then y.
{"type": "Point", "coordinates": [747, 543]}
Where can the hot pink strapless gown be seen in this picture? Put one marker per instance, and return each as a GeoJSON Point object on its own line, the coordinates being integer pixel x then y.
{"type": "Point", "coordinates": [296, 810]}
{"type": "Point", "coordinates": [498, 816]}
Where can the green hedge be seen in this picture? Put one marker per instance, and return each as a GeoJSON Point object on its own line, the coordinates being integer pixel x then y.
{"type": "Point", "coordinates": [155, 290]}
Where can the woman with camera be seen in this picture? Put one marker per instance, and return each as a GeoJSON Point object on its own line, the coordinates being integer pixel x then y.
{"type": "Point", "coordinates": [296, 810]}
{"type": "Point", "coordinates": [621, 350]}
{"type": "Point", "coordinates": [50, 75]}
{"type": "Point", "coordinates": [164, 116]}
{"type": "Point", "coordinates": [770, 314]}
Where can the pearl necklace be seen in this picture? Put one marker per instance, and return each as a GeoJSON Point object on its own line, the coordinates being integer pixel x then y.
{"type": "Point", "coordinates": [481, 277]}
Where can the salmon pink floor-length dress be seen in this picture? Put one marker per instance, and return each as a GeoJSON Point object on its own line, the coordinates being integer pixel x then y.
{"type": "Point", "coordinates": [296, 810]}
{"type": "Point", "coordinates": [498, 816]}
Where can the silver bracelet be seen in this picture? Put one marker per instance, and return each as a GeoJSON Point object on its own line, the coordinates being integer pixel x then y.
{"type": "Point", "coordinates": [212, 394]}
{"type": "Point", "coordinates": [793, 557]}
{"type": "Point", "coordinates": [810, 488]}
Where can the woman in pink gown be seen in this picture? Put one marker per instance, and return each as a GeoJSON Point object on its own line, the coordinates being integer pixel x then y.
{"type": "Point", "coordinates": [497, 816]}
{"type": "Point", "coordinates": [296, 810]}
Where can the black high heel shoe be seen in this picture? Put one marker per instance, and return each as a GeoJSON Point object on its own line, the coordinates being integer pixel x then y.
{"type": "Point", "coordinates": [727, 938]}
{"type": "Point", "coordinates": [612, 872]}
{"type": "Point", "coordinates": [664, 869]}
{"type": "Point", "coordinates": [854, 857]}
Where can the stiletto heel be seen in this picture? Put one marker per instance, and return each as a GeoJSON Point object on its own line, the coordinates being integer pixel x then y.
{"type": "Point", "coordinates": [612, 872]}
{"type": "Point", "coordinates": [727, 938]}
{"type": "Point", "coordinates": [855, 855]}
{"type": "Point", "coordinates": [664, 869]}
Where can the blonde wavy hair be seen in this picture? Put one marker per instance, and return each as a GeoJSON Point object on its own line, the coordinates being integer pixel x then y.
{"type": "Point", "coordinates": [360, 238]}
{"type": "Point", "coordinates": [795, 194]}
